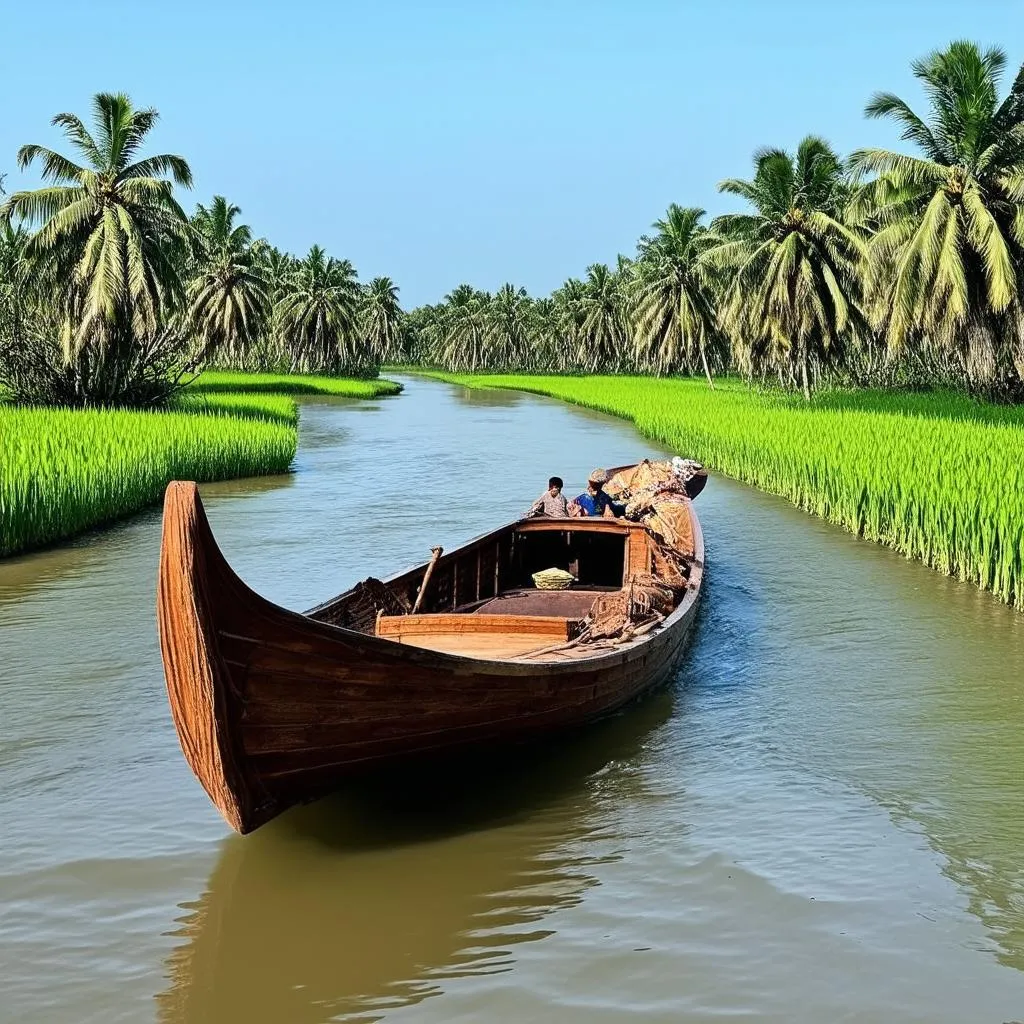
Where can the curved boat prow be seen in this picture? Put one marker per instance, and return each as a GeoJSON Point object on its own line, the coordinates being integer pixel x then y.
{"type": "Point", "coordinates": [192, 570]}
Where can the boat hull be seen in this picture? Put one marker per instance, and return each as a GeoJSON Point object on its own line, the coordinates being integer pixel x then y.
{"type": "Point", "coordinates": [275, 708]}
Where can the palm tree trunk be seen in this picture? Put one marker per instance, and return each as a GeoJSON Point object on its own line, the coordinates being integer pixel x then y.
{"type": "Point", "coordinates": [707, 371]}
{"type": "Point", "coordinates": [803, 372]}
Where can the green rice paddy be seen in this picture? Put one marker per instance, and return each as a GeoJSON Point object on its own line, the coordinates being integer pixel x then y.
{"type": "Point", "coordinates": [63, 471]}
{"type": "Point", "coordinates": [938, 477]}
{"type": "Point", "coordinates": [294, 384]}
{"type": "Point", "coordinates": [254, 405]}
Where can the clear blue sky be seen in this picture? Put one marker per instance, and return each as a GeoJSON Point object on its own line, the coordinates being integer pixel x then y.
{"type": "Point", "coordinates": [482, 142]}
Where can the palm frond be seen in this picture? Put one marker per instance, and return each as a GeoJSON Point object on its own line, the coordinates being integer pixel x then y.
{"type": "Point", "coordinates": [157, 166]}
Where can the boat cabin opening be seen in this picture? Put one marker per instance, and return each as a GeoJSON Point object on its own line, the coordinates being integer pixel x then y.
{"type": "Point", "coordinates": [595, 559]}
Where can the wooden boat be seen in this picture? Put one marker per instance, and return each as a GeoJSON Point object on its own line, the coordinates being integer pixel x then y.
{"type": "Point", "coordinates": [274, 708]}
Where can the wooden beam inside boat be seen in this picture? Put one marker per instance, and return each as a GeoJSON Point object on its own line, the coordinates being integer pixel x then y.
{"type": "Point", "coordinates": [399, 626]}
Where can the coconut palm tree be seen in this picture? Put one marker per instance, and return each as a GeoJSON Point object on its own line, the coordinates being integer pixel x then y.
{"type": "Point", "coordinates": [418, 331]}
{"type": "Point", "coordinates": [278, 267]}
{"type": "Point", "coordinates": [602, 332]}
{"type": "Point", "coordinates": [228, 301]}
{"type": "Point", "coordinates": [674, 300]}
{"type": "Point", "coordinates": [381, 319]}
{"type": "Point", "coordinates": [461, 332]}
{"type": "Point", "coordinates": [507, 331]}
{"type": "Point", "coordinates": [317, 314]}
{"type": "Point", "coordinates": [569, 312]}
{"type": "Point", "coordinates": [14, 279]}
{"type": "Point", "coordinates": [945, 262]}
{"type": "Point", "coordinates": [794, 291]}
{"type": "Point", "coordinates": [104, 223]}
{"type": "Point", "coordinates": [547, 337]}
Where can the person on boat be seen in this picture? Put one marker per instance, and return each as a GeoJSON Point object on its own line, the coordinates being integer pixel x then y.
{"type": "Point", "coordinates": [593, 501]}
{"type": "Point", "coordinates": [552, 502]}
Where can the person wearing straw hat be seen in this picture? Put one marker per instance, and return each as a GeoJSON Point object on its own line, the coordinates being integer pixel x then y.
{"type": "Point", "coordinates": [593, 501]}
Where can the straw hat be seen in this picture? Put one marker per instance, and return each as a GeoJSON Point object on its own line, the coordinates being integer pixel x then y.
{"type": "Point", "coordinates": [598, 476]}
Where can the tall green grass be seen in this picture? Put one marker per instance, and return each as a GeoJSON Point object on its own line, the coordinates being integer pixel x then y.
{"type": "Point", "coordinates": [63, 471]}
{"type": "Point", "coordinates": [293, 384]}
{"type": "Point", "coordinates": [936, 476]}
{"type": "Point", "coordinates": [254, 405]}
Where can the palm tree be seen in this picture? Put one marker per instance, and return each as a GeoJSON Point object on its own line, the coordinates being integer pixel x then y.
{"type": "Point", "coordinates": [570, 314]}
{"type": "Point", "coordinates": [461, 332]}
{"type": "Point", "coordinates": [507, 332]}
{"type": "Point", "coordinates": [794, 293]}
{"type": "Point", "coordinates": [228, 303]}
{"type": "Point", "coordinates": [945, 261]}
{"type": "Point", "coordinates": [381, 319]}
{"type": "Point", "coordinates": [317, 315]}
{"type": "Point", "coordinates": [104, 223]}
{"type": "Point", "coordinates": [602, 330]}
{"type": "Point", "coordinates": [277, 268]}
{"type": "Point", "coordinates": [422, 328]}
{"type": "Point", "coordinates": [546, 341]}
{"type": "Point", "coordinates": [674, 313]}
{"type": "Point", "coordinates": [14, 279]}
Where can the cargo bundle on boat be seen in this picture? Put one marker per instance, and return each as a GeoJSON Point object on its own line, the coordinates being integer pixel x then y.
{"type": "Point", "coordinates": [274, 707]}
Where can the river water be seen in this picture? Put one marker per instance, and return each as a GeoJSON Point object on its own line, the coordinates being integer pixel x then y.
{"type": "Point", "coordinates": [821, 819]}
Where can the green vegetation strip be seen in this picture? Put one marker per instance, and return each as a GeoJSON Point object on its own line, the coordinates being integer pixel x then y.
{"type": "Point", "coordinates": [63, 471]}
{"type": "Point", "coordinates": [67, 470]}
{"type": "Point", "coordinates": [294, 384]}
{"type": "Point", "coordinates": [253, 405]}
{"type": "Point", "coordinates": [937, 477]}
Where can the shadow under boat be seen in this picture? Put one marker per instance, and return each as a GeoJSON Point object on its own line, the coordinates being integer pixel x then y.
{"type": "Point", "coordinates": [370, 899]}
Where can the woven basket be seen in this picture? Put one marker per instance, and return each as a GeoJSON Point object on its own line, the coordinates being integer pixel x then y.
{"type": "Point", "coordinates": [553, 579]}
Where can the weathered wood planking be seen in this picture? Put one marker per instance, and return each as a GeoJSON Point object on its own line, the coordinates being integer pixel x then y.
{"type": "Point", "coordinates": [398, 626]}
{"type": "Point", "coordinates": [274, 708]}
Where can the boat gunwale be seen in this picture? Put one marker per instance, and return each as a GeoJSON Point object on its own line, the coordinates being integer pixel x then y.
{"type": "Point", "coordinates": [370, 645]}
{"type": "Point", "coordinates": [600, 524]}
{"type": "Point", "coordinates": [598, 659]}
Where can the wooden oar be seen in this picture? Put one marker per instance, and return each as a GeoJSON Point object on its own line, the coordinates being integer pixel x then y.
{"type": "Point", "coordinates": [434, 556]}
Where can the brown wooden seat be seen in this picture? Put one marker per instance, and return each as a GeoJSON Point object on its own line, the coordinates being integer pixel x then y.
{"type": "Point", "coordinates": [478, 636]}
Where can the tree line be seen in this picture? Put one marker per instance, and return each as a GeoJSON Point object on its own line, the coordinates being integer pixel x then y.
{"type": "Point", "coordinates": [110, 294]}
{"type": "Point", "coordinates": [882, 268]}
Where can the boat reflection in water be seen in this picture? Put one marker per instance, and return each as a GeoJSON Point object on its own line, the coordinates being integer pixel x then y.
{"type": "Point", "coordinates": [370, 899]}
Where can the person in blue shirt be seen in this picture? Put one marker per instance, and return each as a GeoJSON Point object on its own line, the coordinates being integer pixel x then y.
{"type": "Point", "coordinates": [593, 501]}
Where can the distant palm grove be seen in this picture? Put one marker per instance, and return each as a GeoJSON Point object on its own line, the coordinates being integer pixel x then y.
{"type": "Point", "coordinates": [881, 268]}
{"type": "Point", "coordinates": [111, 295]}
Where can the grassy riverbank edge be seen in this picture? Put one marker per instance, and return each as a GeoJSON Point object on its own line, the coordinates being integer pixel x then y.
{"type": "Point", "coordinates": [65, 471]}
{"type": "Point", "coordinates": [937, 477]}
{"type": "Point", "coordinates": [214, 381]}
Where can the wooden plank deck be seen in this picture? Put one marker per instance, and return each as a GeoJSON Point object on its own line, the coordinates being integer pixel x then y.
{"type": "Point", "coordinates": [395, 626]}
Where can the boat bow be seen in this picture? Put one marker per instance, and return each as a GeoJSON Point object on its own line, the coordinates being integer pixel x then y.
{"type": "Point", "coordinates": [195, 579]}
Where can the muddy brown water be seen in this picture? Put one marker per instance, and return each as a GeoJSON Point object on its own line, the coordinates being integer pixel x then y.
{"type": "Point", "coordinates": [821, 819]}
